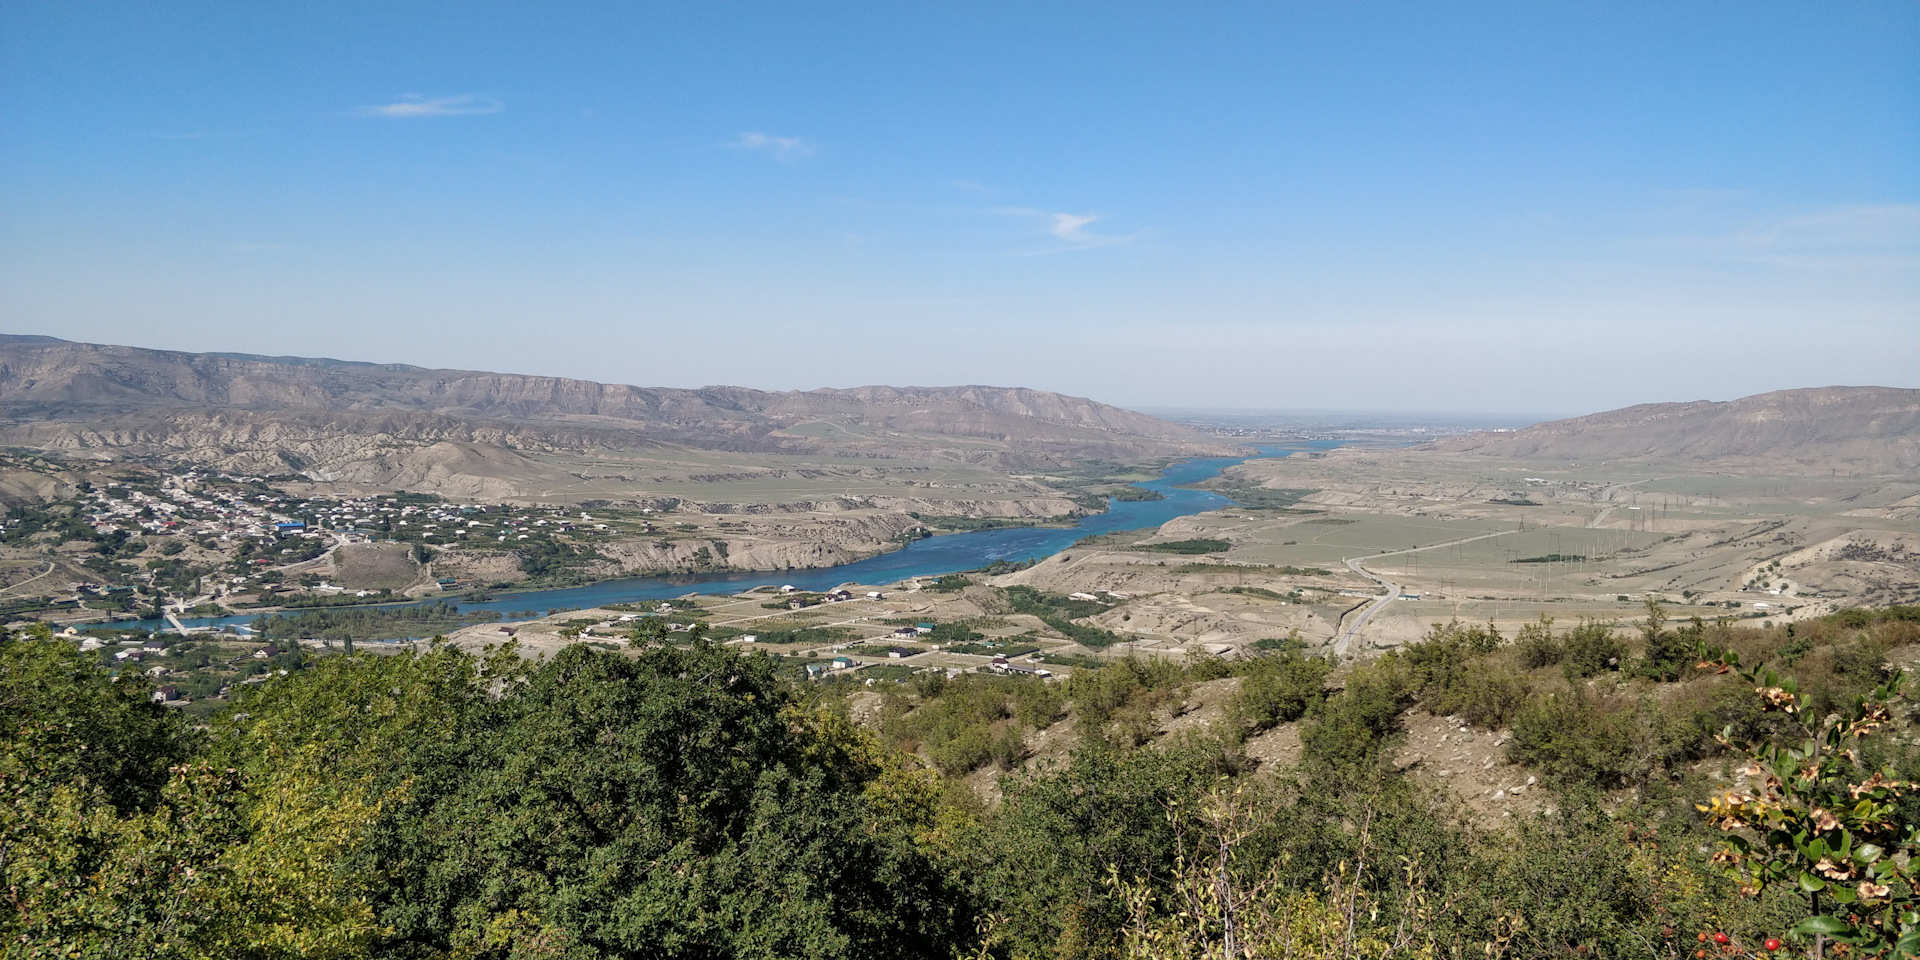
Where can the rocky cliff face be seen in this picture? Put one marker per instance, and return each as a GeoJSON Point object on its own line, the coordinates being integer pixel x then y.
{"type": "Point", "coordinates": [1857, 430]}
{"type": "Point", "coordinates": [827, 542]}
{"type": "Point", "coordinates": [817, 542]}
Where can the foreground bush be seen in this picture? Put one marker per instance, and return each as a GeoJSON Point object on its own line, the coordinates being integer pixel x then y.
{"type": "Point", "coordinates": [679, 804]}
{"type": "Point", "coordinates": [687, 801]}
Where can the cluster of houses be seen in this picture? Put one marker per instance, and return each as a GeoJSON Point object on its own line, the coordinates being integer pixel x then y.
{"type": "Point", "coordinates": [131, 655]}
{"type": "Point", "coordinates": [836, 595]}
{"type": "Point", "coordinates": [173, 696]}
{"type": "Point", "coordinates": [361, 517]}
{"type": "Point", "coordinates": [841, 663]}
{"type": "Point", "coordinates": [1003, 665]}
{"type": "Point", "coordinates": [817, 670]}
{"type": "Point", "coordinates": [178, 509]}
{"type": "Point", "coordinates": [134, 658]}
{"type": "Point", "coordinates": [228, 515]}
{"type": "Point", "coordinates": [84, 588]}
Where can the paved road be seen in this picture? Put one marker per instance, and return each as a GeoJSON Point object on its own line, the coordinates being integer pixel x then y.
{"type": "Point", "coordinates": [1392, 590]}
{"type": "Point", "coordinates": [1609, 492]}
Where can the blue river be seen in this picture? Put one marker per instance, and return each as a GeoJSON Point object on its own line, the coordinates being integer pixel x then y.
{"type": "Point", "coordinates": [924, 558]}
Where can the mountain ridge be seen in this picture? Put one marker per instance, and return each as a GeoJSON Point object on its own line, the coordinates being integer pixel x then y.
{"type": "Point", "coordinates": [111, 372]}
{"type": "Point", "coordinates": [1867, 430]}
{"type": "Point", "coordinates": [284, 414]}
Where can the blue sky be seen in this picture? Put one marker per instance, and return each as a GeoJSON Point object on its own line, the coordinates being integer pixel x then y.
{"type": "Point", "coordinates": [1535, 207]}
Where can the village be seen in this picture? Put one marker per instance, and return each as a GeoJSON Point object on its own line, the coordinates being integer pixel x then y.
{"type": "Point", "coordinates": [197, 543]}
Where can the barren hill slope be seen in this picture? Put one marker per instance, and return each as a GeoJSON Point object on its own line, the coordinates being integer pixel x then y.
{"type": "Point", "coordinates": [1860, 430]}
{"type": "Point", "coordinates": [279, 414]}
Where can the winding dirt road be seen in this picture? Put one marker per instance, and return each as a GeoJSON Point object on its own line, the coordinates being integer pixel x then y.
{"type": "Point", "coordinates": [1392, 590]}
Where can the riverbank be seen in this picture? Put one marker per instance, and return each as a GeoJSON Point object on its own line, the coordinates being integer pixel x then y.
{"type": "Point", "coordinates": [930, 557]}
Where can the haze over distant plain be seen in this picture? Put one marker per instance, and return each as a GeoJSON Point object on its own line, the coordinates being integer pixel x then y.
{"type": "Point", "coordinates": [1525, 207]}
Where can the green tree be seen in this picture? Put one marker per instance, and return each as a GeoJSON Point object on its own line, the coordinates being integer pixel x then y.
{"type": "Point", "coordinates": [1278, 689]}
{"type": "Point", "coordinates": [1353, 726]}
{"type": "Point", "coordinates": [648, 631]}
{"type": "Point", "coordinates": [86, 726]}
{"type": "Point", "coordinates": [677, 803]}
{"type": "Point", "coordinates": [1590, 648]}
{"type": "Point", "coordinates": [1668, 652]}
{"type": "Point", "coordinates": [146, 853]}
{"type": "Point", "coordinates": [1042, 862]}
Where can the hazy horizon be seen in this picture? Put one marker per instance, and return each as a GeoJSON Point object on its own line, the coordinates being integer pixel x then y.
{"type": "Point", "coordinates": [1498, 206]}
{"type": "Point", "coordinates": [1304, 417]}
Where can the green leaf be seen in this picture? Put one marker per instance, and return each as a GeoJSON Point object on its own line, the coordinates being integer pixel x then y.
{"type": "Point", "coordinates": [1909, 944]}
{"type": "Point", "coordinates": [1811, 883]}
{"type": "Point", "coordinates": [1821, 924]}
{"type": "Point", "coordinates": [1842, 894]}
{"type": "Point", "coordinates": [1868, 852]}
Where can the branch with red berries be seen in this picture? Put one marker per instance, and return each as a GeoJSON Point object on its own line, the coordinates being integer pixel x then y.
{"type": "Point", "coordinates": [1721, 944]}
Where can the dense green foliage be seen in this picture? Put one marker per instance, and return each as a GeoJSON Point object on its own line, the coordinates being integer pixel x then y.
{"type": "Point", "coordinates": [1822, 822]}
{"type": "Point", "coordinates": [823, 636]}
{"type": "Point", "coordinates": [305, 600]}
{"type": "Point", "coordinates": [1060, 612]}
{"type": "Point", "coordinates": [552, 559]}
{"type": "Point", "coordinates": [683, 799]}
{"type": "Point", "coordinates": [370, 623]}
{"type": "Point", "coordinates": [973, 720]}
{"type": "Point", "coordinates": [1246, 568]}
{"type": "Point", "coordinates": [1279, 689]}
{"type": "Point", "coordinates": [683, 802]}
{"type": "Point", "coordinates": [1186, 547]}
{"type": "Point", "coordinates": [969, 524]}
{"type": "Point", "coordinates": [87, 729]}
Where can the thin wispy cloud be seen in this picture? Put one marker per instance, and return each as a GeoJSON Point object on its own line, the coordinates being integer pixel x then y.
{"type": "Point", "coordinates": [1071, 229]}
{"type": "Point", "coordinates": [1850, 226]}
{"type": "Point", "coordinates": [781, 148]}
{"type": "Point", "coordinates": [414, 105]}
{"type": "Point", "coordinates": [1834, 237]}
